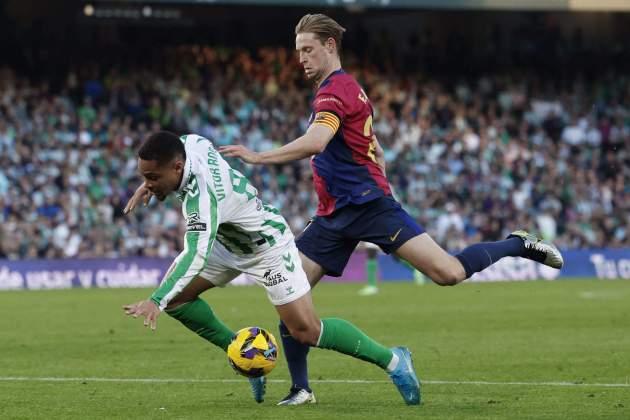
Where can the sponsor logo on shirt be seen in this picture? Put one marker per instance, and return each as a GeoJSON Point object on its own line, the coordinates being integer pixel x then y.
{"type": "Point", "coordinates": [328, 99]}
{"type": "Point", "coordinates": [193, 224]}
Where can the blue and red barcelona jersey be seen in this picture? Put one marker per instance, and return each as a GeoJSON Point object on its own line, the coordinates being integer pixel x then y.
{"type": "Point", "coordinates": [346, 171]}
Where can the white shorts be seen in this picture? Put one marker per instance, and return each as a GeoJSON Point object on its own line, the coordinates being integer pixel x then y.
{"type": "Point", "coordinates": [279, 271]}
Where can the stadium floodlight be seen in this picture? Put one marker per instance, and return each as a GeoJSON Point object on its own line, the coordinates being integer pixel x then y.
{"type": "Point", "coordinates": [88, 10]}
{"type": "Point", "coordinates": [130, 11]}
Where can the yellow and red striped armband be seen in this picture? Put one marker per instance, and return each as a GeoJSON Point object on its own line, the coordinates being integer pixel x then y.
{"type": "Point", "coordinates": [328, 119]}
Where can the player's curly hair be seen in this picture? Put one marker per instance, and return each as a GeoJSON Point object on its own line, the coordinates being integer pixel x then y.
{"type": "Point", "coordinates": [322, 26]}
{"type": "Point", "coordinates": [163, 147]}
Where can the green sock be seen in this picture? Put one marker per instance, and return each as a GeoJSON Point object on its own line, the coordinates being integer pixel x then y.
{"type": "Point", "coordinates": [371, 267]}
{"type": "Point", "coordinates": [198, 317]}
{"type": "Point", "coordinates": [340, 335]}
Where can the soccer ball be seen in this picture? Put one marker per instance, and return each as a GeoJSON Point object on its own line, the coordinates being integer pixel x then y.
{"type": "Point", "coordinates": [253, 352]}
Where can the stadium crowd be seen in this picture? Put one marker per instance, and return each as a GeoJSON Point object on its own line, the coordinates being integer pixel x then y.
{"type": "Point", "coordinates": [471, 160]}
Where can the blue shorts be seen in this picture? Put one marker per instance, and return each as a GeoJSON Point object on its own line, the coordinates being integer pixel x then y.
{"type": "Point", "coordinates": [330, 240]}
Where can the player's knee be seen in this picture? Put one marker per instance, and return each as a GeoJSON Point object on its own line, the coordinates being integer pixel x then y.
{"type": "Point", "coordinates": [446, 272]}
{"type": "Point", "coordinates": [306, 333]}
{"type": "Point", "coordinates": [444, 281]}
{"type": "Point", "coordinates": [445, 276]}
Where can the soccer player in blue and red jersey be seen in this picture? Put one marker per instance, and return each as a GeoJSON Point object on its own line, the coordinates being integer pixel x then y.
{"type": "Point", "coordinates": [355, 200]}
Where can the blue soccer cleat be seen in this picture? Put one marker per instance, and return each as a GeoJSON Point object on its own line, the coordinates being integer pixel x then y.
{"type": "Point", "coordinates": [404, 377]}
{"type": "Point", "coordinates": [259, 386]}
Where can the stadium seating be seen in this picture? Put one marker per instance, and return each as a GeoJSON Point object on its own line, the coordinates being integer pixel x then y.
{"type": "Point", "coordinates": [471, 160]}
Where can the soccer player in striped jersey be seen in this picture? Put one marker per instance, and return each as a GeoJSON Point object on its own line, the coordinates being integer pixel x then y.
{"type": "Point", "coordinates": [355, 200]}
{"type": "Point", "coordinates": [230, 231]}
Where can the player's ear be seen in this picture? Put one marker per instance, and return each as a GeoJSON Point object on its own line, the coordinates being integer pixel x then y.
{"type": "Point", "coordinates": [178, 165]}
{"type": "Point", "coordinates": [330, 45]}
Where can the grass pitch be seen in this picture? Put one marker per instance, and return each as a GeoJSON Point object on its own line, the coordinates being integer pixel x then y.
{"type": "Point", "coordinates": [503, 350]}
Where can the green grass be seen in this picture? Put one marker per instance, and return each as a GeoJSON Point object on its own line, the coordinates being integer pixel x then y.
{"type": "Point", "coordinates": [564, 331]}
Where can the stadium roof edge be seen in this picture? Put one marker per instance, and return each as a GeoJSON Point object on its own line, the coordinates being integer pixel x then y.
{"type": "Point", "coordinates": [516, 5]}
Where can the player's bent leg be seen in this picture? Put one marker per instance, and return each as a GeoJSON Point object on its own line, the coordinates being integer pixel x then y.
{"type": "Point", "coordinates": [301, 320]}
{"type": "Point", "coordinates": [295, 352]}
{"type": "Point", "coordinates": [424, 254]}
{"type": "Point", "coordinates": [428, 257]}
{"type": "Point", "coordinates": [316, 245]}
{"type": "Point", "coordinates": [330, 333]}
{"type": "Point", "coordinates": [343, 337]}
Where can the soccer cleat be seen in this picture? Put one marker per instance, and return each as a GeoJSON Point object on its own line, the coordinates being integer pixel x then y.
{"type": "Point", "coordinates": [404, 377]}
{"type": "Point", "coordinates": [259, 386]}
{"type": "Point", "coordinates": [368, 291]}
{"type": "Point", "coordinates": [538, 250]}
{"type": "Point", "coordinates": [298, 396]}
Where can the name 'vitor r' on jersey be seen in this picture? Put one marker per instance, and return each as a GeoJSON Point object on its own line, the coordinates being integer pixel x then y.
{"type": "Point", "coordinates": [220, 204]}
{"type": "Point", "coordinates": [346, 171]}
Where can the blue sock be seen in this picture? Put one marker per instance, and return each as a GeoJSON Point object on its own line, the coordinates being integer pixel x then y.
{"type": "Point", "coordinates": [295, 353]}
{"type": "Point", "coordinates": [479, 256]}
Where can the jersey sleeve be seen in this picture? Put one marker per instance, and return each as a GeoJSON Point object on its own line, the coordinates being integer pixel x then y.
{"type": "Point", "coordinates": [329, 109]}
{"type": "Point", "coordinates": [202, 220]}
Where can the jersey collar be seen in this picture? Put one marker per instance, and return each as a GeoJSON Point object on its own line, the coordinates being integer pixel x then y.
{"type": "Point", "coordinates": [182, 190]}
{"type": "Point", "coordinates": [327, 79]}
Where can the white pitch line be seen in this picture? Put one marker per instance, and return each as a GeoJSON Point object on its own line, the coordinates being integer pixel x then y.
{"type": "Point", "coordinates": [437, 382]}
{"type": "Point", "coordinates": [321, 381]}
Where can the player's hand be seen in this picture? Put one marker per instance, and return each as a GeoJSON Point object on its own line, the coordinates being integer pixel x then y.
{"type": "Point", "coordinates": [240, 152]}
{"type": "Point", "coordinates": [142, 195]}
{"type": "Point", "coordinates": [146, 308]}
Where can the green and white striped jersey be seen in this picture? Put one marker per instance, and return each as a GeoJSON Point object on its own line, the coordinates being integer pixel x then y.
{"type": "Point", "coordinates": [220, 204]}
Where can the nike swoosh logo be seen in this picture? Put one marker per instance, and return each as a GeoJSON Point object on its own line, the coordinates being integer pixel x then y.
{"type": "Point", "coordinates": [393, 238]}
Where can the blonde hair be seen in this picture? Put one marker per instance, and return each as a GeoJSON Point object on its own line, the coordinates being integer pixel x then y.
{"type": "Point", "coordinates": [322, 26]}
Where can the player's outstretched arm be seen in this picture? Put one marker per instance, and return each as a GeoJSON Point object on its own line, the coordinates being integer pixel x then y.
{"type": "Point", "coordinates": [312, 142]}
{"type": "Point", "coordinates": [142, 195]}
{"type": "Point", "coordinates": [146, 308]}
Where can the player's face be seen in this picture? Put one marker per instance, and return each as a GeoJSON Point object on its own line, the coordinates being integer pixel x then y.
{"type": "Point", "coordinates": [315, 56]}
{"type": "Point", "coordinates": [161, 180]}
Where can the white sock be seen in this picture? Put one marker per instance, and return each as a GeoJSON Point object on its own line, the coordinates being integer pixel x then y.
{"type": "Point", "coordinates": [393, 364]}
